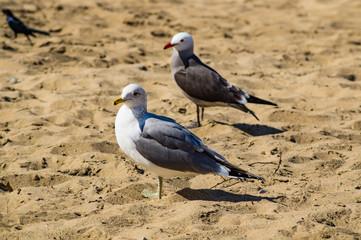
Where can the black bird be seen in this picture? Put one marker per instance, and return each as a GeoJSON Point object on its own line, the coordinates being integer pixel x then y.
{"type": "Point", "coordinates": [19, 27]}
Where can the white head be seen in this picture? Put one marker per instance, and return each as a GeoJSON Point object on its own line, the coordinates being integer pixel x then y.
{"type": "Point", "coordinates": [133, 96]}
{"type": "Point", "coordinates": [181, 41]}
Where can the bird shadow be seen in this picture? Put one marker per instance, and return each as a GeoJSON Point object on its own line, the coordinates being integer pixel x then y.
{"type": "Point", "coordinates": [254, 129]}
{"type": "Point", "coordinates": [220, 195]}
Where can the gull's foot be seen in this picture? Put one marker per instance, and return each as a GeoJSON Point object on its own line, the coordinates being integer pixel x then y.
{"type": "Point", "coordinates": [149, 194]}
{"type": "Point", "coordinates": [193, 125]}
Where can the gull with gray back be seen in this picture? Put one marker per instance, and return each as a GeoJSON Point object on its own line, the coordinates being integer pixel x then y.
{"type": "Point", "coordinates": [163, 146]}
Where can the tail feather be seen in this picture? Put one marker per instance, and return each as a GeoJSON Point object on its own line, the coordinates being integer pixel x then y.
{"type": "Point", "coordinates": [39, 31]}
{"type": "Point", "coordinates": [256, 100]}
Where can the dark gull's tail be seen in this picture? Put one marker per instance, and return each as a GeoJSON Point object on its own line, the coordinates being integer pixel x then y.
{"type": "Point", "coordinates": [256, 100]}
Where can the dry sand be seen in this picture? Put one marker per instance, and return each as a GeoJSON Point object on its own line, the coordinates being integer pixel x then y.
{"type": "Point", "coordinates": [70, 179]}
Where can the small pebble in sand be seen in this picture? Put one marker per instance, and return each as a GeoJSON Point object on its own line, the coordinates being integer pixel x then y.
{"type": "Point", "coordinates": [13, 80]}
{"type": "Point", "coordinates": [262, 191]}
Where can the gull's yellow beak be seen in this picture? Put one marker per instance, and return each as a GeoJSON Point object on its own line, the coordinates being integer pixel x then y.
{"type": "Point", "coordinates": [119, 100]}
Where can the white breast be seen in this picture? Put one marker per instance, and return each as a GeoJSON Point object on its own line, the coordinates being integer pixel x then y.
{"type": "Point", "coordinates": [127, 131]}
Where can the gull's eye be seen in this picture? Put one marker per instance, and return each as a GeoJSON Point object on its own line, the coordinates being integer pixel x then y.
{"type": "Point", "coordinates": [136, 93]}
{"type": "Point", "coordinates": [182, 40]}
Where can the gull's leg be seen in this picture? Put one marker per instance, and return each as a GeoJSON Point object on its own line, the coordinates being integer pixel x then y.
{"type": "Point", "coordinates": [198, 121]}
{"type": "Point", "coordinates": [198, 124]}
{"type": "Point", "coordinates": [160, 186]}
{"type": "Point", "coordinates": [150, 194]}
{"type": "Point", "coordinates": [202, 113]}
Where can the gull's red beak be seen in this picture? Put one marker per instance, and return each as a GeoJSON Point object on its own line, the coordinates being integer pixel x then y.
{"type": "Point", "coordinates": [168, 45]}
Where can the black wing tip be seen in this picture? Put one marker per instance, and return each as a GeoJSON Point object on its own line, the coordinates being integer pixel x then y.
{"type": "Point", "coordinates": [254, 115]}
{"type": "Point", "coordinates": [255, 177]}
{"type": "Point", "coordinates": [261, 179]}
{"type": "Point", "coordinates": [242, 107]}
{"type": "Point", "coordinates": [239, 173]}
{"type": "Point", "coordinates": [273, 104]}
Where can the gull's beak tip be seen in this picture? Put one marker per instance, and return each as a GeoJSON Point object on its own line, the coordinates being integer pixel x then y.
{"type": "Point", "coordinates": [118, 100]}
{"type": "Point", "coordinates": [168, 45]}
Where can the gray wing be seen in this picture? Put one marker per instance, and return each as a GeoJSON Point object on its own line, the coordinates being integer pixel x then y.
{"type": "Point", "coordinates": [202, 82]}
{"type": "Point", "coordinates": [170, 145]}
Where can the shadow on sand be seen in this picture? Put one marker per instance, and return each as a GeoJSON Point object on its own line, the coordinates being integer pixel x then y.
{"type": "Point", "coordinates": [254, 129]}
{"type": "Point", "coordinates": [220, 195]}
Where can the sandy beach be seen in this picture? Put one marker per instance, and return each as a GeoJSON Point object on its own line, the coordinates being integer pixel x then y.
{"type": "Point", "coordinates": [63, 176]}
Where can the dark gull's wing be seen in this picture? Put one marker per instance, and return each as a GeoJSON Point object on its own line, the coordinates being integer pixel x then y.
{"type": "Point", "coordinates": [202, 82]}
